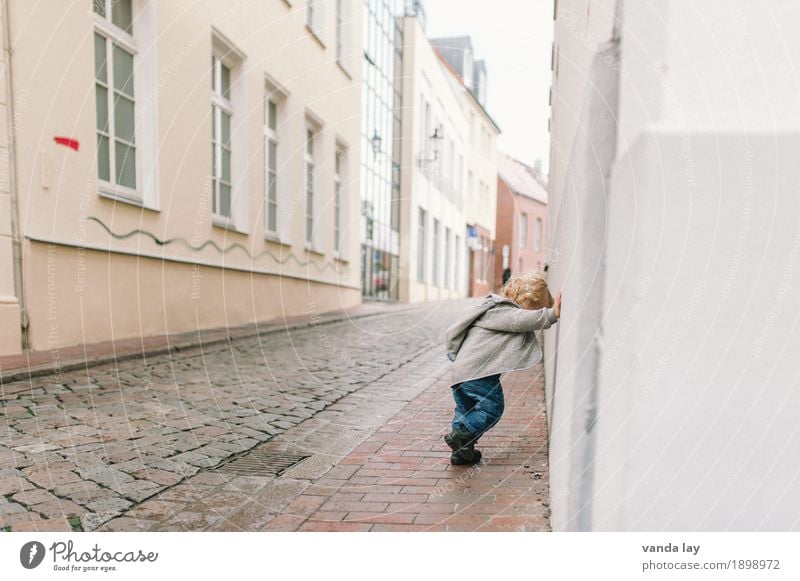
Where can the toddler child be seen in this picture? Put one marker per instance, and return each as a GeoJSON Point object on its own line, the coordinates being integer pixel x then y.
{"type": "Point", "coordinates": [494, 337]}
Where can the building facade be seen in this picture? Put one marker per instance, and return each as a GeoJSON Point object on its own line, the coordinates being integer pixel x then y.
{"type": "Point", "coordinates": [433, 245]}
{"type": "Point", "coordinates": [521, 220]}
{"type": "Point", "coordinates": [672, 378]}
{"type": "Point", "coordinates": [184, 165]}
{"type": "Point", "coordinates": [469, 81]}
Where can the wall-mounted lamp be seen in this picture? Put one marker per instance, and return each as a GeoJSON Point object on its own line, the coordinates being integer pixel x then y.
{"type": "Point", "coordinates": [376, 143]}
{"type": "Point", "coordinates": [436, 141]}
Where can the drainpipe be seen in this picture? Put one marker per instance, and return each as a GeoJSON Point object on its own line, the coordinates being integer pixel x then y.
{"type": "Point", "coordinates": [16, 240]}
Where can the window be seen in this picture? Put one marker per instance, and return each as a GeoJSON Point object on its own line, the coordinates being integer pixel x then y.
{"type": "Point", "coordinates": [115, 103]}
{"type": "Point", "coordinates": [471, 123]}
{"type": "Point", "coordinates": [451, 157]}
{"type": "Point", "coordinates": [435, 250]}
{"type": "Point", "coordinates": [425, 143]}
{"type": "Point", "coordinates": [221, 116]}
{"type": "Point", "coordinates": [447, 257]}
{"type": "Point", "coordinates": [457, 269]}
{"type": "Point", "coordinates": [271, 162]}
{"type": "Point", "coordinates": [315, 11]}
{"type": "Point", "coordinates": [310, 13]}
{"type": "Point", "coordinates": [523, 230]}
{"type": "Point", "coordinates": [438, 167]}
{"type": "Point", "coordinates": [537, 237]}
{"type": "Point", "coordinates": [470, 185]}
{"type": "Point", "coordinates": [421, 245]}
{"type": "Point", "coordinates": [309, 183]}
{"type": "Point", "coordinates": [486, 255]}
{"type": "Point", "coordinates": [337, 199]}
{"type": "Point", "coordinates": [342, 30]}
{"type": "Point", "coordinates": [459, 179]}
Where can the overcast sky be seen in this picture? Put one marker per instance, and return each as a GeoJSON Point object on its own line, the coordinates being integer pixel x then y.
{"type": "Point", "coordinates": [514, 37]}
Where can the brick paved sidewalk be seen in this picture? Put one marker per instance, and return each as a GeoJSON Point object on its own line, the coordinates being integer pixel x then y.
{"type": "Point", "coordinates": [400, 478]}
{"type": "Point", "coordinates": [144, 444]}
{"type": "Point", "coordinates": [84, 447]}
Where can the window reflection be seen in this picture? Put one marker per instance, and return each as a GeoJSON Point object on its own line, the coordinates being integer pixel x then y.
{"type": "Point", "coordinates": [380, 188]}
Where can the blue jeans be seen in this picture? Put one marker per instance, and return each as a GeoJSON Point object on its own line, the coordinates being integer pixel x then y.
{"type": "Point", "coordinates": [479, 404]}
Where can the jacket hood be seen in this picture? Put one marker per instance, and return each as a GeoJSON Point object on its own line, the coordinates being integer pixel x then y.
{"type": "Point", "coordinates": [457, 332]}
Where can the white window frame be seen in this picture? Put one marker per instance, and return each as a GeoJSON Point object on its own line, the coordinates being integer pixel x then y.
{"type": "Point", "coordinates": [422, 243]}
{"type": "Point", "coordinates": [312, 199]}
{"type": "Point", "coordinates": [221, 104]}
{"type": "Point", "coordinates": [274, 93]}
{"type": "Point", "coordinates": [457, 260]}
{"type": "Point", "coordinates": [224, 52]}
{"type": "Point", "coordinates": [451, 158]}
{"type": "Point", "coordinates": [342, 30]}
{"type": "Point", "coordinates": [271, 139]}
{"type": "Point", "coordinates": [315, 18]}
{"type": "Point", "coordinates": [436, 233]}
{"type": "Point", "coordinates": [447, 236]}
{"type": "Point", "coordinates": [459, 185]}
{"type": "Point", "coordinates": [145, 193]}
{"type": "Point", "coordinates": [309, 179]}
{"type": "Point", "coordinates": [339, 199]}
{"type": "Point", "coordinates": [425, 142]}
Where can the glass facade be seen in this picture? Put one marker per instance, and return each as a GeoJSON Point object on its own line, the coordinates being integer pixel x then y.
{"type": "Point", "coordinates": [380, 147]}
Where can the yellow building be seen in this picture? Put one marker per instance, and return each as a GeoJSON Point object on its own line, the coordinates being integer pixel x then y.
{"type": "Point", "coordinates": [171, 166]}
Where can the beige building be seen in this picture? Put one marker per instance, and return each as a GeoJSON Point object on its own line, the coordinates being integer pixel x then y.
{"type": "Point", "coordinates": [169, 166]}
{"type": "Point", "coordinates": [449, 187]}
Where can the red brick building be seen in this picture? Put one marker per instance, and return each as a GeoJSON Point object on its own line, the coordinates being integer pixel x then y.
{"type": "Point", "coordinates": [521, 219]}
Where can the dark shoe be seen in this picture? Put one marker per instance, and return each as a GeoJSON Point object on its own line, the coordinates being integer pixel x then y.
{"type": "Point", "coordinates": [465, 456]}
{"type": "Point", "coordinates": [459, 438]}
{"type": "Point", "coordinates": [462, 442]}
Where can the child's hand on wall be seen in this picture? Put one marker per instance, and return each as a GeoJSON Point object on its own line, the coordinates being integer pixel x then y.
{"type": "Point", "coordinates": [557, 305]}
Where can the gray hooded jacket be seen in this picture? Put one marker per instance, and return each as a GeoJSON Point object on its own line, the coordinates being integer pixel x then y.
{"type": "Point", "coordinates": [494, 337]}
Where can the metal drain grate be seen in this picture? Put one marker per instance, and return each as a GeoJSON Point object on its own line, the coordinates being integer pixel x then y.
{"type": "Point", "coordinates": [261, 463]}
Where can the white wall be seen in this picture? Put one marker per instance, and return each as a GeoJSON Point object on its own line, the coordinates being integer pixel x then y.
{"type": "Point", "coordinates": [582, 148]}
{"type": "Point", "coordinates": [695, 385]}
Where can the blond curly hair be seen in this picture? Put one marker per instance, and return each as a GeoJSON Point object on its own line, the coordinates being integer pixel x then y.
{"type": "Point", "coordinates": [529, 291]}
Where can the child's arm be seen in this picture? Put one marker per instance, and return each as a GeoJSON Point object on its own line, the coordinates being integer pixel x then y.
{"type": "Point", "coordinates": [513, 320]}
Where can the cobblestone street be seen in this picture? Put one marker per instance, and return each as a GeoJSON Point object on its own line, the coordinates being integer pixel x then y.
{"type": "Point", "coordinates": [362, 403]}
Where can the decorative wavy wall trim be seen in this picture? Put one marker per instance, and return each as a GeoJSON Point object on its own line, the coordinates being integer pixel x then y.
{"type": "Point", "coordinates": [187, 244]}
